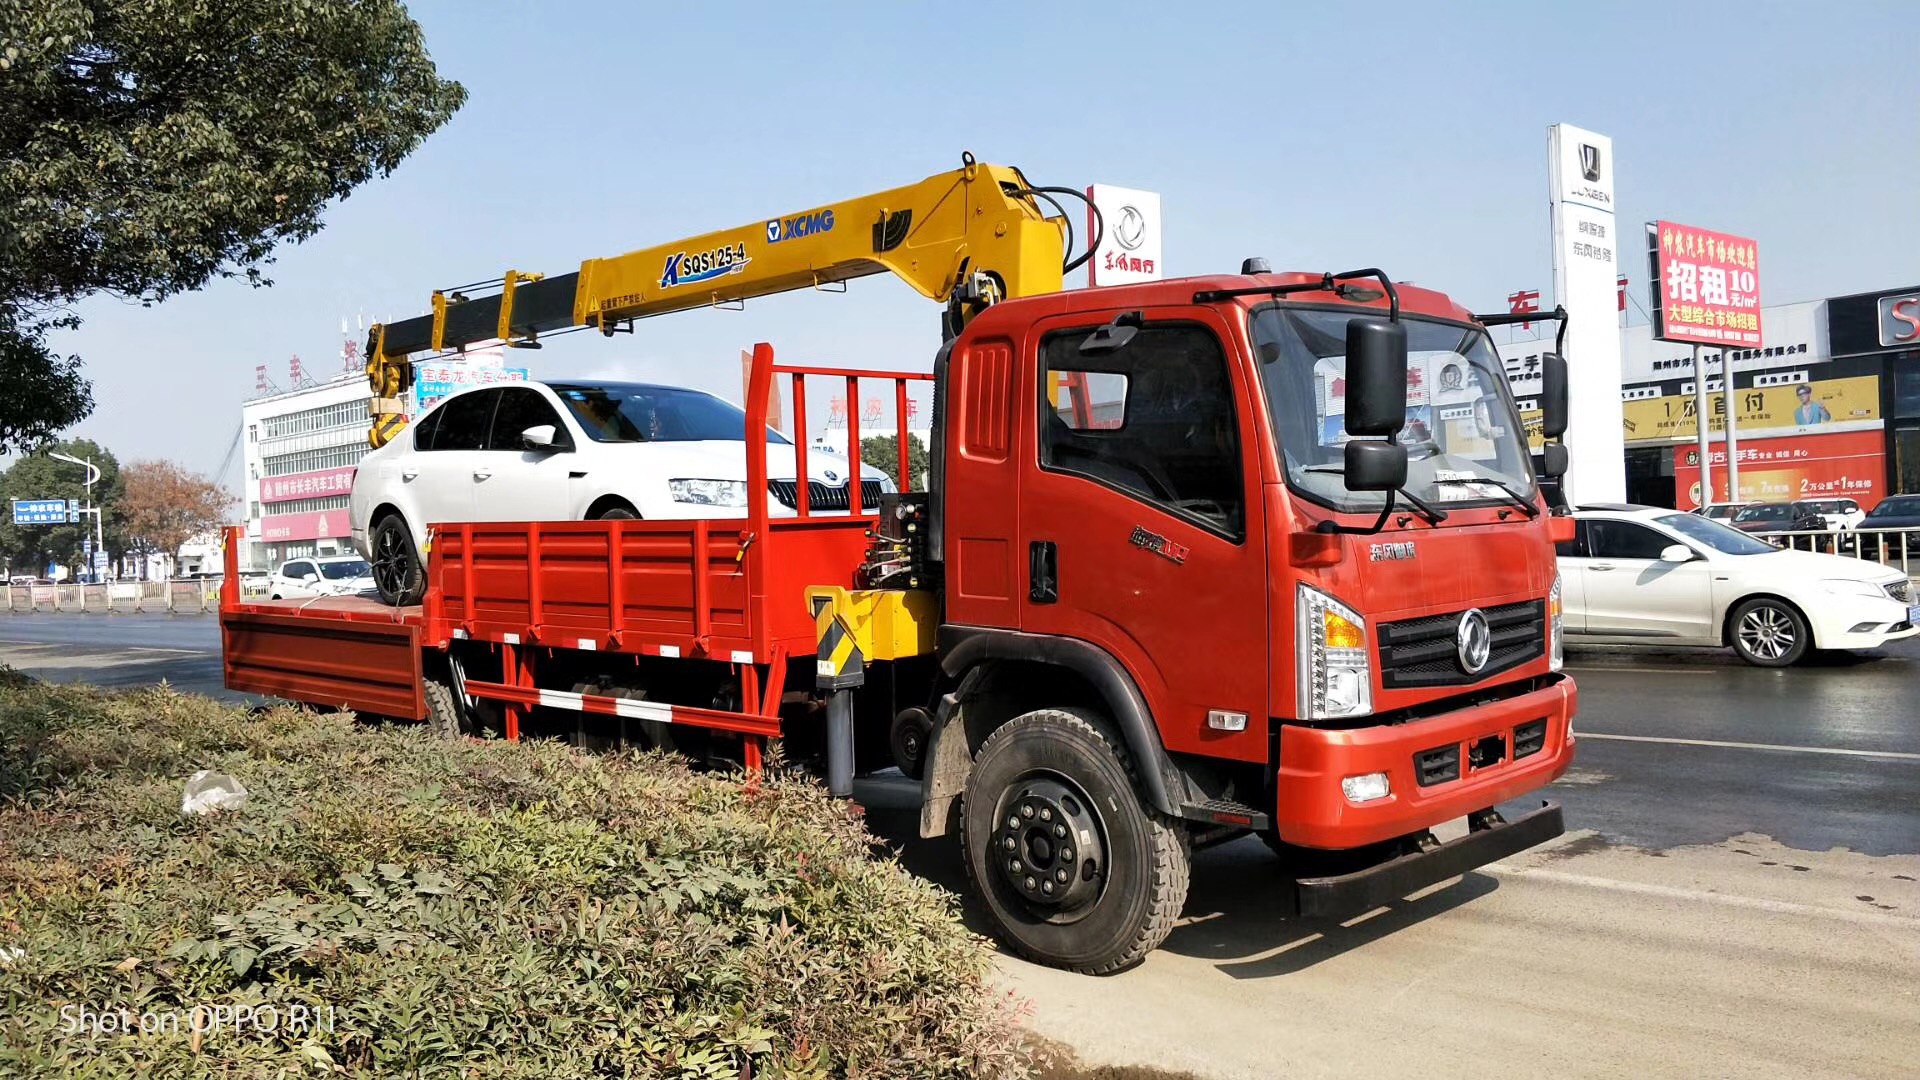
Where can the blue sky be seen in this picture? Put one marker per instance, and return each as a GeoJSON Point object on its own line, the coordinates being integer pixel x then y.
{"type": "Point", "coordinates": [1408, 136]}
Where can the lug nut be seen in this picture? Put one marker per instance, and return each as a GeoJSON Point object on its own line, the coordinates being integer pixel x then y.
{"type": "Point", "coordinates": [1066, 854]}
{"type": "Point", "coordinates": [1007, 843]}
{"type": "Point", "coordinates": [1047, 887]}
{"type": "Point", "coordinates": [1029, 884]}
{"type": "Point", "coordinates": [1059, 830]}
{"type": "Point", "coordinates": [1062, 875]}
{"type": "Point", "coordinates": [1012, 822]}
{"type": "Point", "coordinates": [1026, 809]}
{"type": "Point", "coordinates": [1013, 866]}
{"type": "Point", "coordinates": [1046, 814]}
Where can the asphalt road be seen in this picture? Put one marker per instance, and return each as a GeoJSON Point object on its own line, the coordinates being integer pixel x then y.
{"type": "Point", "coordinates": [1738, 895]}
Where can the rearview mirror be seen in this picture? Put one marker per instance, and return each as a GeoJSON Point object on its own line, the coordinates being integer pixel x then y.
{"type": "Point", "coordinates": [1676, 553]}
{"type": "Point", "coordinates": [1376, 378]}
{"type": "Point", "coordinates": [1375, 466]}
{"type": "Point", "coordinates": [311, 578]}
{"type": "Point", "coordinates": [538, 437]}
{"type": "Point", "coordinates": [1553, 460]}
{"type": "Point", "coordinates": [1553, 396]}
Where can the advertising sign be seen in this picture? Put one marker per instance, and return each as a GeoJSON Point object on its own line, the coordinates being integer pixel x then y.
{"type": "Point", "coordinates": [44, 512]}
{"type": "Point", "coordinates": [307, 485]}
{"type": "Point", "coordinates": [1802, 406]}
{"type": "Point", "coordinates": [277, 528]}
{"type": "Point", "coordinates": [1708, 285]}
{"type": "Point", "coordinates": [433, 380]}
{"type": "Point", "coordinates": [1847, 464]}
{"type": "Point", "coordinates": [1899, 321]}
{"type": "Point", "coordinates": [1585, 282]}
{"type": "Point", "coordinates": [1129, 249]}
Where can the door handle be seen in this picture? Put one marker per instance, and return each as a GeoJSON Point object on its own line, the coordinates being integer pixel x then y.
{"type": "Point", "coordinates": [482, 474]}
{"type": "Point", "coordinates": [1043, 572]}
{"type": "Point", "coordinates": [1600, 566]}
{"type": "Point", "coordinates": [408, 474]}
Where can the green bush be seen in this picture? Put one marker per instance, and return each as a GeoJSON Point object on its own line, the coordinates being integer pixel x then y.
{"type": "Point", "coordinates": [439, 908]}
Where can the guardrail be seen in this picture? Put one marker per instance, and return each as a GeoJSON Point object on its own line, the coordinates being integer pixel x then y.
{"type": "Point", "coordinates": [191, 597]}
{"type": "Point", "coordinates": [1890, 547]}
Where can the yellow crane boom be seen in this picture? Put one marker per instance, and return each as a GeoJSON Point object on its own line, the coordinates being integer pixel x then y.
{"type": "Point", "coordinates": [968, 238]}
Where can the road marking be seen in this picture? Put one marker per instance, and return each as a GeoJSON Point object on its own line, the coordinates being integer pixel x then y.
{"type": "Point", "coordinates": [1892, 755]}
{"type": "Point", "coordinates": [67, 645]}
{"type": "Point", "coordinates": [1668, 892]}
{"type": "Point", "coordinates": [1643, 670]}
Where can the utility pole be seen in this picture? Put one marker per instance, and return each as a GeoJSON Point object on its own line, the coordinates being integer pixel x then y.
{"type": "Point", "coordinates": [1733, 434]}
{"type": "Point", "coordinates": [99, 530]}
{"type": "Point", "coordinates": [1700, 415]}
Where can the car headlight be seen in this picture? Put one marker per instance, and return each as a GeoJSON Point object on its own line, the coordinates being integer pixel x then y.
{"type": "Point", "coordinates": [709, 492]}
{"type": "Point", "coordinates": [1335, 672]}
{"type": "Point", "coordinates": [1555, 627]}
{"type": "Point", "coordinates": [1850, 587]}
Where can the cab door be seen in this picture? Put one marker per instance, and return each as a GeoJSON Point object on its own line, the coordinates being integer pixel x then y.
{"type": "Point", "coordinates": [1139, 518]}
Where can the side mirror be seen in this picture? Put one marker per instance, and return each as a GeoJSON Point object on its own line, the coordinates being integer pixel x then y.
{"type": "Point", "coordinates": [1376, 379]}
{"type": "Point", "coordinates": [311, 578]}
{"type": "Point", "coordinates": [1553, 460]}
{"type": "Point", "coordinates": [1112, 337]}
{"type": "Point", "coordinates": [1375, 466]}
{"type": "Point", "coordinates": [538, 437]}
{"type": "Point", "coordinates": [1676, 553]}
{"type": "Point", "coordinates": [1553, 396]}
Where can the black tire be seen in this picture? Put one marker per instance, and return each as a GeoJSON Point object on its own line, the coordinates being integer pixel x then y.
{"type": "Point", "coordinates": [444, 712]}
{"type": "Point", "coordinates": [908, 741]}
{"type": "Point", "coordinates": [397, 573]}
{"type": "Point", "coordinates": [1122, 897]}
{"type": "Point", "coordinates": [616, 512]}
{"type": "Point", "coordinates": [1768, 632]}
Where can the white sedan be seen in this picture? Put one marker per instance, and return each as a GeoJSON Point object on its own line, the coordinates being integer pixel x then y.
{"type": "Point", "coordinates": [324, 575]}
{"type": "Point", "coordinates": [1647, 576]}
{"type": "Point", "coordinates": [568, 452]}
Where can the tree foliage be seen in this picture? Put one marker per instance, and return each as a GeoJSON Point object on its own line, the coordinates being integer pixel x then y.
{"type": "Point", "coordinates": [149, 147]}
{"type": "Point", "coordinates": [29, 548]}
{"type": "Point", "coordinates": [882, 452]}
{"type": "Point", "coordinates": [164, 506]}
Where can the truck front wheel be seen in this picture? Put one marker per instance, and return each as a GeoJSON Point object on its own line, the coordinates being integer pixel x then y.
{"type": "Point", "coordinates": [1074, 869]}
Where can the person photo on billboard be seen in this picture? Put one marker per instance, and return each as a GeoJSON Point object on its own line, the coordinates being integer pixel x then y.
{"type": "Point", "coordinates": [1810, 411]}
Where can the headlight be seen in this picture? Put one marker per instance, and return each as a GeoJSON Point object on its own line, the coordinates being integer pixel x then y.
{"type": "Point", "coordinates": [1555, 627]}
{"type": "Point", "coordinates": [709, 492]}
{"type": "Point", "coordinates": [1848, 587]}
{"type": "Point", "coordinates": [1335, 673]}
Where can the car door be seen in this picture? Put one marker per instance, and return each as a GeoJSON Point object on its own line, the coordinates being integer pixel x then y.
{"type": "Point", "coordinates": [293, 579]}
{"type": "Point", "coordinates": [443, 476]}
{"type": "Point", "coordinates": [512, 482]}
{"type": "Point", "coordinates": [1632, 594]}
{"type": "Point", "coordinates": [1140, 524]}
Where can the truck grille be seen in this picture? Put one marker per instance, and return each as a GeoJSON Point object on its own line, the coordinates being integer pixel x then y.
{"type": "Point", "coordinates": [822, 497]}
{"type": "Point", "coordinates": [1424, 652]}
{"type": "Point", "coordinates": [1900, 590]}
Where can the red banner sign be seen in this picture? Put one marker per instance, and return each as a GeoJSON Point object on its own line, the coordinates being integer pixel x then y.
{"type": "Point", "coordinates": [307, 485]}
{"type": "Point", "coordinates": [1710, 286]}
{"type": "Point", "coordinates": [313, 525]}
{"type": "Point", "coordinates": [1841, 465]}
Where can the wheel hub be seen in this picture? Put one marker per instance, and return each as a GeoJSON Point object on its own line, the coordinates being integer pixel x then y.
{"type": "Point", "coordinates": [1047, 845]}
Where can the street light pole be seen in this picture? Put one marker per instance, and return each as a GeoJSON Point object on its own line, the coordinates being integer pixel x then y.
{"type": "Point", "coordinates": [99, 528]}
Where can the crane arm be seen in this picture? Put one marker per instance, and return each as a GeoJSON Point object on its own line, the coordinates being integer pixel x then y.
{"type": "Point", "coordinates": [968, 237]}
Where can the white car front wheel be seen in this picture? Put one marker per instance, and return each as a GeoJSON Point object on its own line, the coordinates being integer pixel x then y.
{"type": "Point", "coordinates": [1769, 632]}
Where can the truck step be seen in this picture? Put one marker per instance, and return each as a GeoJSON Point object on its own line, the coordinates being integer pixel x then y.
{"type": "Point", "coordinates": [1226, 812]}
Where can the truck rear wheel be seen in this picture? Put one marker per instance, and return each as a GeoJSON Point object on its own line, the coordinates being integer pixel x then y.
{"type": "Point", "coordinates": [1073, 868]}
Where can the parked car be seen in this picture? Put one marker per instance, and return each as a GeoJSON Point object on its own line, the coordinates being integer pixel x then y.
{"type": "Point", "coordinates": [1777, 517]}
{"type": "Point", "coordinates": [1894, 513]}
{"type": "Point", "coordinates": [1643, 575]}
{"type": "Point", "coordinates": [1835, 514]}
{"type": "Point", "coordinates": [1719, 511]}
{"type": "Point", "coordinates": [325, 575]}
{"type": "Point", "coordinates": [567, 451]}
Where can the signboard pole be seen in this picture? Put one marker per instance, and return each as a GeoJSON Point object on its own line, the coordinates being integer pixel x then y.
{"type": "Point", "coordinates": [1700, 424]}
{"type": "Point", "coordinates": [1733, 437]}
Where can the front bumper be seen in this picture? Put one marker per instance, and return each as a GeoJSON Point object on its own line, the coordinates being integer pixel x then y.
{"type": "Point", "coordinates": [1364, 890]}
{"type": "Point", "coordinates": [1312, 811]}
{"type": "Point", "coordinates": [1834, 622]}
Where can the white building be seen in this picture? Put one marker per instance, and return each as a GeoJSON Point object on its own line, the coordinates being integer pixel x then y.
{"type": "Point", "coordinates": [301, 449]}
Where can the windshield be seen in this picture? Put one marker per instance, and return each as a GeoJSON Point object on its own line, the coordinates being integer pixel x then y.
{"type": "Point", "coordinates": [631, 412]}
{"type": "Point", "coordinates": [345, 569]}
{"type": "Point", "coordinates": [1762, 512]}
{"type": "Point", "coordinates": [1723, 511]}
{"type": "Point", "coordinates": [1829, 506]}
{"type": "Point", "coordinates": [1896, 507]}
{"type": "Point", "coordinates": [1461, 424]}
{"type": "Point", "coordinates": [1714, 535]}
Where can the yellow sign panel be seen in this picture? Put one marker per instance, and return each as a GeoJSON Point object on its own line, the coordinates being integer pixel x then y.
{"type": "Point", "coordinates": [1806, 406]}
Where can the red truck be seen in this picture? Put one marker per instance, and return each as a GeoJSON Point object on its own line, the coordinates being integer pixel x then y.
{"type": "Point", "coordinates": [1201, 557]}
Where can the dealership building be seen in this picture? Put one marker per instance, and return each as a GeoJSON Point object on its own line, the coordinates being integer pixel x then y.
{"type": "Point", "coordinates": [1829, 407]}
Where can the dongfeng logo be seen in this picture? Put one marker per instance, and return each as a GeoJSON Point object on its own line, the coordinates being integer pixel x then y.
{"type": "Point", "coordinates": [1590, 162]}
{"type": "Point", "coordinates": [1131, 230]}
{"type": "Point", "coordinates": [1473, 641]}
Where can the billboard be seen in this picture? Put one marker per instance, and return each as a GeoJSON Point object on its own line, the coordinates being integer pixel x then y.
{"type": "Point", "coordinates": [45, 512]}
{"type": "Point", "coordinates": [313, 525]}
{"type": "Point", "coordinates": [1707, 285]}
{"type": "Point", "coordinates": [1129, 248]}
{"type": "Point", "coordinates": [1586, 280]}
{"type": "Point", "coordinates": [307, 485]}
{"type": "Point", "coordinates": [1845, 464]}
{"type": "Point", "coordinates": [1787, 406]}
{"type": "Point", "coordinates": [435, 379]}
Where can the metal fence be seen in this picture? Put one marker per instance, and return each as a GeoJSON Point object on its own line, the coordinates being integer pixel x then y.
{"type": "Point", "coordinates": [1899, 548]}
{"type": "Point", "coordinates": [126, 597]}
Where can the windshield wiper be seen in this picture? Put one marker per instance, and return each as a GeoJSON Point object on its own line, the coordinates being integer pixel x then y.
{"type": "Point", "coordinates": [1433, 514]}
{"type": "Point", "coordinates": [1513, 496]}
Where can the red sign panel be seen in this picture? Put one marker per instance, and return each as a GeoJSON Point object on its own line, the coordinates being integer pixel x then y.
{"type": "Point", "coordinates": [307, 485]}
{"type": "Point", "coordinates": [1841, 465]}
{"type": "Point", "coordinates": [1709, 286]}
{"type": "Point", "coordinates": [313, 525]}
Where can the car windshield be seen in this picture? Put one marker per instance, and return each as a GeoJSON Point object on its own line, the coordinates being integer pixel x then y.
{"type": "Point", "coordinates": [1829, 506]}
{"type": "Point", "coordinates": [1714, 535]}
{"type": "Point", "coordinates": [1761, 512]}
{"type": "Point", "coordinates": [344, 569]}
{"type": "Point", "coordinates": [1896, 508]}
{"type": "Point", "coordinates": [1719, 512]}
{"type": "Point", "coordinates": [632, 412]}
{"type": "Point", "coordinates": [1463, 437]}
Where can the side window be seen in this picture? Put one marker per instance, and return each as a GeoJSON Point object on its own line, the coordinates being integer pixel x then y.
{"type": "Point", "coordinates": [464, 420]}
{"type": "Point", "coordinates": [1575, 548]}
{"type": "Point", "coordinates": [520, 409]}
{"type": "Point", "coordinates": [1153, 418]}
{"type": "Point", "coordinates": [424, 427]}
{"type": "Point", "coordinates": [296, 571]}
{"type": "Point", "coordinates": [1625, 540]}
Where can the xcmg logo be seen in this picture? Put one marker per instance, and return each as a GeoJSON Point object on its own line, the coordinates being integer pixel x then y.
{"type": "Point", "coordinates": [799, 225]}
{"type": "Point", "coordinates": [686, 268]}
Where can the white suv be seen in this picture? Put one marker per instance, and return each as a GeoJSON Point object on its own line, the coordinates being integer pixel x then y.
{"type": "Point", "coordinates": [1636, 575]}
{"type": "Point", "coordinates": [567, 452]}
{"type": "Point", "coordinates": [324, 575]}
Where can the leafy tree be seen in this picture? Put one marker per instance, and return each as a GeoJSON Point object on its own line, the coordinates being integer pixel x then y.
{"type": "Point", "coordinates": [29, 548]}
{"type": "Point", "coordinates": [165, 506]}
{"type": "Point", "coordinates": [882, 452]}
{"type": "Point", "coordinates": [147, 148]}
